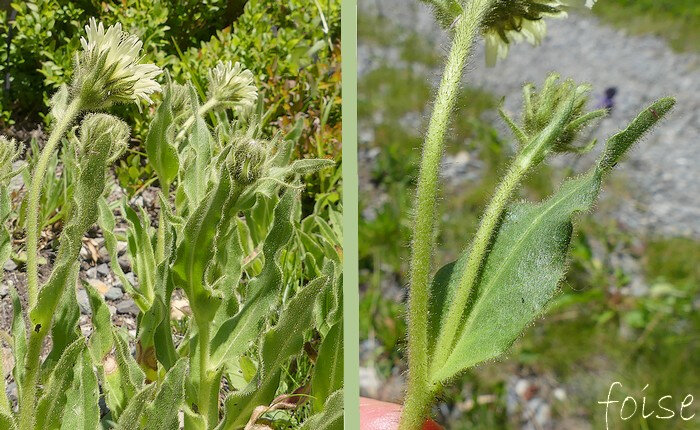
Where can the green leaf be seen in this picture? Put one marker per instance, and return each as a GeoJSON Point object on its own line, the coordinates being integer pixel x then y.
{"type": "Point", "coordinates": [5, 237]}
{"type": "Point", "coordinates": [4, 401]}
{"type": "Point", "coordinates": [198, 158]}
{"type": "Point", "coordinates": [331, 418]}
{"type": "Point", "coordinates": [308, 166]}
{"type": "Point", "coordinates": [88, 189]}
{"type": "Point", "coordinates": [64, 328]}
{"type": "Point", "coordinates": [19, 336]}
{"type": "Point", "coordinates": [107, 223]}
{"type": "Point", "coordinates": [130, 419]}
{"type": "Point", "coordinates": [196, 249]}
{"type": "Point", "coordinates": [279, 344]}
{"type": "Point", "coordinates": [524, 265]}
{"type": "Point", "coordinates": [161, 152]}
{"type": "Point", "coordinates": [141, 251]}
{"type": "Point", "coordinates": [162, 414]}
{"type": "Point", "coordinates": [122, 375]}
{"type": "Point", "coordinates": [235, 335]}
{"type": "Point", "coordinates": [7, 422]}
{"type": "Point", "coordinates": [328, 372]}
{"type": "Point", "coordinates": [101, 341]}
{"type": "Point", "coordinates": [51, 404]}
{"type": "Point", "coordinates": [82, 410]}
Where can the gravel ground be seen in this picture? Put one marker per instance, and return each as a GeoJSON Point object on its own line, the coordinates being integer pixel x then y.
{"type": "Point", "coordinates": [664, 184]}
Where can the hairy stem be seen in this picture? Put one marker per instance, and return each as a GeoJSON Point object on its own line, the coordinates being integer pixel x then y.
{"type": "Point", "coordinates": [27, 404]}
{"type": "Point", "coordinates": [424, 219]}
{"type": "Point", "coordinates": [204, 383]}
{"type": "Point", "coordinates": [34, 194]}
{"type": "Point", "coordinates": [206, 107]}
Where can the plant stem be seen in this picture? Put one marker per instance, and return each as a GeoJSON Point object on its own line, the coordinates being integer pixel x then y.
{"type": "Point", "coordinates": [204, 383]}
{"type": "Point", "coordinates": [419, 393]}
{"type": "Point", "coordinates": [206, 107]}
{"type": "Point", "coordinates": [27, 404]}
{"type": "Point", "coordinates": [34, 194]}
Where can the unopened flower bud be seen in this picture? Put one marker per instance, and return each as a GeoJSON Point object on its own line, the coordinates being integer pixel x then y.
{"type": "Point", "coordinates": [103, 135]}
{"type": "Point", "coordinates": [107, 70]}
{"type": "Point", "coordinates": [248, 159]}
{"type": "Point", "coordinates": [232, 86]}
{"type": "Point", "coordinates": [541, 108]}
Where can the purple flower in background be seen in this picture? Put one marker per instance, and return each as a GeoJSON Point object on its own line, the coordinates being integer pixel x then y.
{"type": "Point", "coordinates": [608, 99]}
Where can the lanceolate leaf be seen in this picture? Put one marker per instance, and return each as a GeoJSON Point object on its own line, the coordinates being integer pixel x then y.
{"type": "Point", "coordinates": [196, 248]}
{"type": "Point", "coordinates": [123, 377]}
{"type": "Point", "coordinates": [328, 372]}
{"type": "Point", "coordinates": [235, 335]}
{"type": "Point", "coordinates": [130, 419]}
{"type": "Point", "coordinates": [281, 343]}
{"type": "Point", "coordinates": [331, 418]}
{"type": "Point", "coordinates": [88, 189]}
{"type": "Point", "coordinates": [141, 251]}
{"type": "Point", "coordinates": [107, 224]}
{"type": "Point", "coordinates": [64, 328]}
{"type": "Point", "coordinates": [51, 405]}
{"type": "Point", "coordinates": [162, 154]}
{"type": "Point", "coordinates": [19, 336]}
{"type": "Point", "coordinates": [82, 410]}
{"type": "Point", "coordinates": [526, 261]}
{"type": "Point", "coordinates": [5, 238]}
{"type": "Point", "coordinates": [162, 414]}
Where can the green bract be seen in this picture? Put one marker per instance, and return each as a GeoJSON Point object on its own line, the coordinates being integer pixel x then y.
{"type": "Point", "coordinates": [260, 279]}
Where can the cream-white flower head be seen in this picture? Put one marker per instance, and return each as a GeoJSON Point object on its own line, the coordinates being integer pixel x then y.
{"type": "Point", "coordinates": [232, 86]}
{"type": "Point", "coordinates": [108, 69]}
{"type": "Point", "coordinates": [522, 20]}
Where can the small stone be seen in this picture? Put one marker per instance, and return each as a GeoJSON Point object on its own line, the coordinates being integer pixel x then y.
{"type": "Point", "coordinates": [103, 269]}
{"type": "Point", "coordinates": [10, 265]}
{"type": "Point", "coordinates": [114, 293]}
{"type": "Point", "coordinates": [124, 263]}
{"type": "Point", "coordinates": [11, 391]}
{"type": "Point", "coordinates": [4, 290]}
{"type": "Point", "coordinates": [132, 279]}
{"type": "Point", "coordinates": [121, 247]}
{"type": "Point", "coordinates": [84, 302]}
{"type": "Point", "coordinates": [91, 273]}
{"type": "Point", "coordinates": [112, 310]}
{"type": "Point", "coordinates": [127, 307]}
{"type": "Point", "coordinates": [100, 286]}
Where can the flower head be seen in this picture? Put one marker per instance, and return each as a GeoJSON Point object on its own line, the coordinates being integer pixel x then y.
{"type": "Point", "coordinates": [232, 86]}
{"type": "Point", "coordinates": [107, 70]}
{"type": "Point", "coordinates": [517, 20]}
